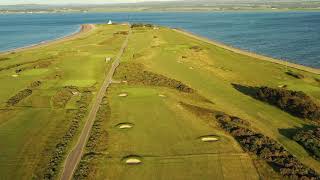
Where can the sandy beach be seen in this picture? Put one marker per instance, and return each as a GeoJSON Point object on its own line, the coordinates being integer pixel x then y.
{"type": "Point", "coordinates": [243, 52]}
{"type": "Point", "coordinates": [84, 29]}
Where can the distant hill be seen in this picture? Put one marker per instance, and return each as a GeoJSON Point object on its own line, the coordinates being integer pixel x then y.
{"type": "Point", "coordinates": [187, 5]}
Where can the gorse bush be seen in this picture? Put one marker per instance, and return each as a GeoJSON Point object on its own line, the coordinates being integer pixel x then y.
{"type": "Point", "coordinates": [137, 75]}
{"type": "Point", "coordinates": [266, 148]}
{"type": "Point", "coordinates": [19, 96]}
{"type": "Point", "coordinates": [310, 140]}
{"type": "Point", "coordinates": [296, 103]}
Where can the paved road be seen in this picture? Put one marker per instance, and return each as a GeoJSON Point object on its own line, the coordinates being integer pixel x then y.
{"type": "Point", "coordinates": [75, 155]}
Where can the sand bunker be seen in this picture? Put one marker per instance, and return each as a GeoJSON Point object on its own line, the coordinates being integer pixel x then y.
{"type": "Point", "coordinates": [191, 68]}
{"type": "Point", "coordinates": [132, 160]}
{"type": "Point", "coordinates": [210, 138]}
{"type": "Point", "coordinates": [123, 95]}
{"type": "Point", "coordinates": [161, 95]}
{"type": "Point", "coordinates": [15, 75]}
{"type": "Point", "coordinates": [125, 125]}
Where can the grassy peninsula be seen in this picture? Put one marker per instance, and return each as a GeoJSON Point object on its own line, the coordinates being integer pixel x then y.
{"type": "Point", "coordinates": [178, 107]}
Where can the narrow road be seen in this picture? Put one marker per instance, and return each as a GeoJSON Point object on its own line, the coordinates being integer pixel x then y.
{"type": "Point", "coordinates": [75, 155]}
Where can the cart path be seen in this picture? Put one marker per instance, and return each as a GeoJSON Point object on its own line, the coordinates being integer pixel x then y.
{"type": "Point", "coordinates": [75, 155]}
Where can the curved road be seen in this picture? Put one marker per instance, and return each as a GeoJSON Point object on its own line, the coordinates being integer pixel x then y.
{"type": "Point", "coordinates": [75, 155]}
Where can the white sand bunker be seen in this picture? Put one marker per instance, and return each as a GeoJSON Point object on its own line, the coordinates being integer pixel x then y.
{"type": "Point", "coordinates": [210, 138]}
{"type": "Point", "coordinates": [15, 75]}
{"type": "Point", "coordinates": [133, 160]}
{"type": "Point", "coordinates": [123, 95]}
{"type": "Point", "coordinates": [162, 95]}
{"type": "Point", "coordinates": [125, 125]}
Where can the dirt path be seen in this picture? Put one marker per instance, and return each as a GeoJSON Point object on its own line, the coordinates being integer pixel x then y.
{"type": "Point", "coordinates": [243, 52]}
{"type": "Point", "coordinates": [75, 155]}
{"type": "Point", "coordinates": [84, 29]}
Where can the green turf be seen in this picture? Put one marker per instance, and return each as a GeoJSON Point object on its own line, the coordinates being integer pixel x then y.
{"type": "Point", "coordinates": [165, 134]}
{"type": "Point", "coordinates": [30, 130]}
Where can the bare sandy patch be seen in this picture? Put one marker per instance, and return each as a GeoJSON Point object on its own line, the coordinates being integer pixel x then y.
{"type": "Point", "coordinates": [210, 138]}
{"type": "Point", "coordinates": [123, 95]}
{"type": "Point", "coordinates": [125, 125]}
{"type": "Point", "coordinates": [132, 160]}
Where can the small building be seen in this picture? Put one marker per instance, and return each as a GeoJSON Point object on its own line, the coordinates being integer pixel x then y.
{"type": "Point", "coordinates": [110, 22]}
{"type": "Point", "coordinates": [108, 59]}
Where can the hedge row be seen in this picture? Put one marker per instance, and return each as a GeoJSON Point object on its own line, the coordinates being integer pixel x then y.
{"type": "Point", "coordinates": [61, 148]}
{"type": "Point", "coordinates": [139, 25]}
{"type": "Point", "coordinates": [19, 96]}
{"type": "Point", "coordinates": [103, 114]}
{"type": "Point", "coordinates": [296, 103]}
{"type": "Point", "coordinates": [142, 77]}
{"type": "Point", "coordinates": [266, 148]}
{"type": "Point", "coordinates": [310, 140]}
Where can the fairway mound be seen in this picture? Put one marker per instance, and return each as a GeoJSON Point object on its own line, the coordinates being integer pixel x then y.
{"type": "Point", "coordinates": [125, 125]}
{"type": "Point", "coordinates": [123, 95]}
{"type": "Point", "coordinates": [132, 160]}
{"type": "Point", "coordinates": [63, 96]}
{"type": "Point", "coordinates": [209, 138]}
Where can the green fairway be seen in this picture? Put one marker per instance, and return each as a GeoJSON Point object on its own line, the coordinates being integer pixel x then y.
{"type": "Point", "coordinates": [164, 134]}
{"type": "Point", "coordinates": [167, 137]}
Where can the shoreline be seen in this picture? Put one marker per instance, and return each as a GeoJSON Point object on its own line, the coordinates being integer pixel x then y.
{"type": "Point", "coordinates": [83, 29]}
{"type": "Point", "coordinates": [247, 53]}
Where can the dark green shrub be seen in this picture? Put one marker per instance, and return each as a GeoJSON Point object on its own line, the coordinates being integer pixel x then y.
{"type": "Point", "coordinates": [296, 103]}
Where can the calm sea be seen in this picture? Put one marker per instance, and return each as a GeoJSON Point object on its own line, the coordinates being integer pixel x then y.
{"type": "Point", "coordinates": [294, 36]}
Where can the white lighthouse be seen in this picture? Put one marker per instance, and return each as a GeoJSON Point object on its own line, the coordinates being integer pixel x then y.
{"type": "Point", "coordinates": [110, 22]}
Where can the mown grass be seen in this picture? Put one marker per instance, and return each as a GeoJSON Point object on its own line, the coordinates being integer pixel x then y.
{"type": "Point", "coordinates": [31, 128]}
{"type": "Point", "coordinates": [213, 70]}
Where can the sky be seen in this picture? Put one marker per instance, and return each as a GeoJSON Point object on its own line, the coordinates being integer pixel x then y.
{"type": "Point", "coordinates": [10, 2]}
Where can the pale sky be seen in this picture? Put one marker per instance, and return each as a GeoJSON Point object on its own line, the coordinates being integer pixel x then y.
{"type": "Point", "coordinates": [6, 2]}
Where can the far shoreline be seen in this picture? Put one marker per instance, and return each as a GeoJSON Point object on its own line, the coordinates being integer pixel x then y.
{"type": "Point", "coordinates": [81, 30]}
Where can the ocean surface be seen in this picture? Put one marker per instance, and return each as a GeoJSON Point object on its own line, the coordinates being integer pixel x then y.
{"type": "Point", "coordinates": [293, 36]}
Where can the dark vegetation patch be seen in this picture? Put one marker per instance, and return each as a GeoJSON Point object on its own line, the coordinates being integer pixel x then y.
{"type": "Point", "coordinates": [63, 96]}
{"type": "Point", "coordinates": [35, 84]}
{"type": "Point", "coordinates": [4, 58]}
{"type": "Point", "coordinates": [37, 65]}
{"type": "Point", "coordinates": [196, 48]}
{"type": "Point", "coordinates": [134, 73]}
{"type": "Point", "coordinates": [296, 103]}
{"type": "Point", "coordinates": [317, 79]}
{"type": "Point", "coordinates": [84, 169]}
{"type": "Point", "coordinates": [19, 97]}
{"type": "Point", "coordinates": [295, 74]}
{"type": "Point", "coordinates": [121, 33]}
{"type": "Point", "coordinates": [265, 148]}
{"type": "Point", "coordinates": [60, 150]}
{"type": "Point", "coordinates": [141, 25]}
{"type": "Point", "coordinates": [310, 140]}
{"type": "Point", "coordinates": [39, 61]}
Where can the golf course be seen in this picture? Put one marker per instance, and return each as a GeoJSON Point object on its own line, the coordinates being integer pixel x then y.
{"type": "Point", "coordinates": [139, 101]}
